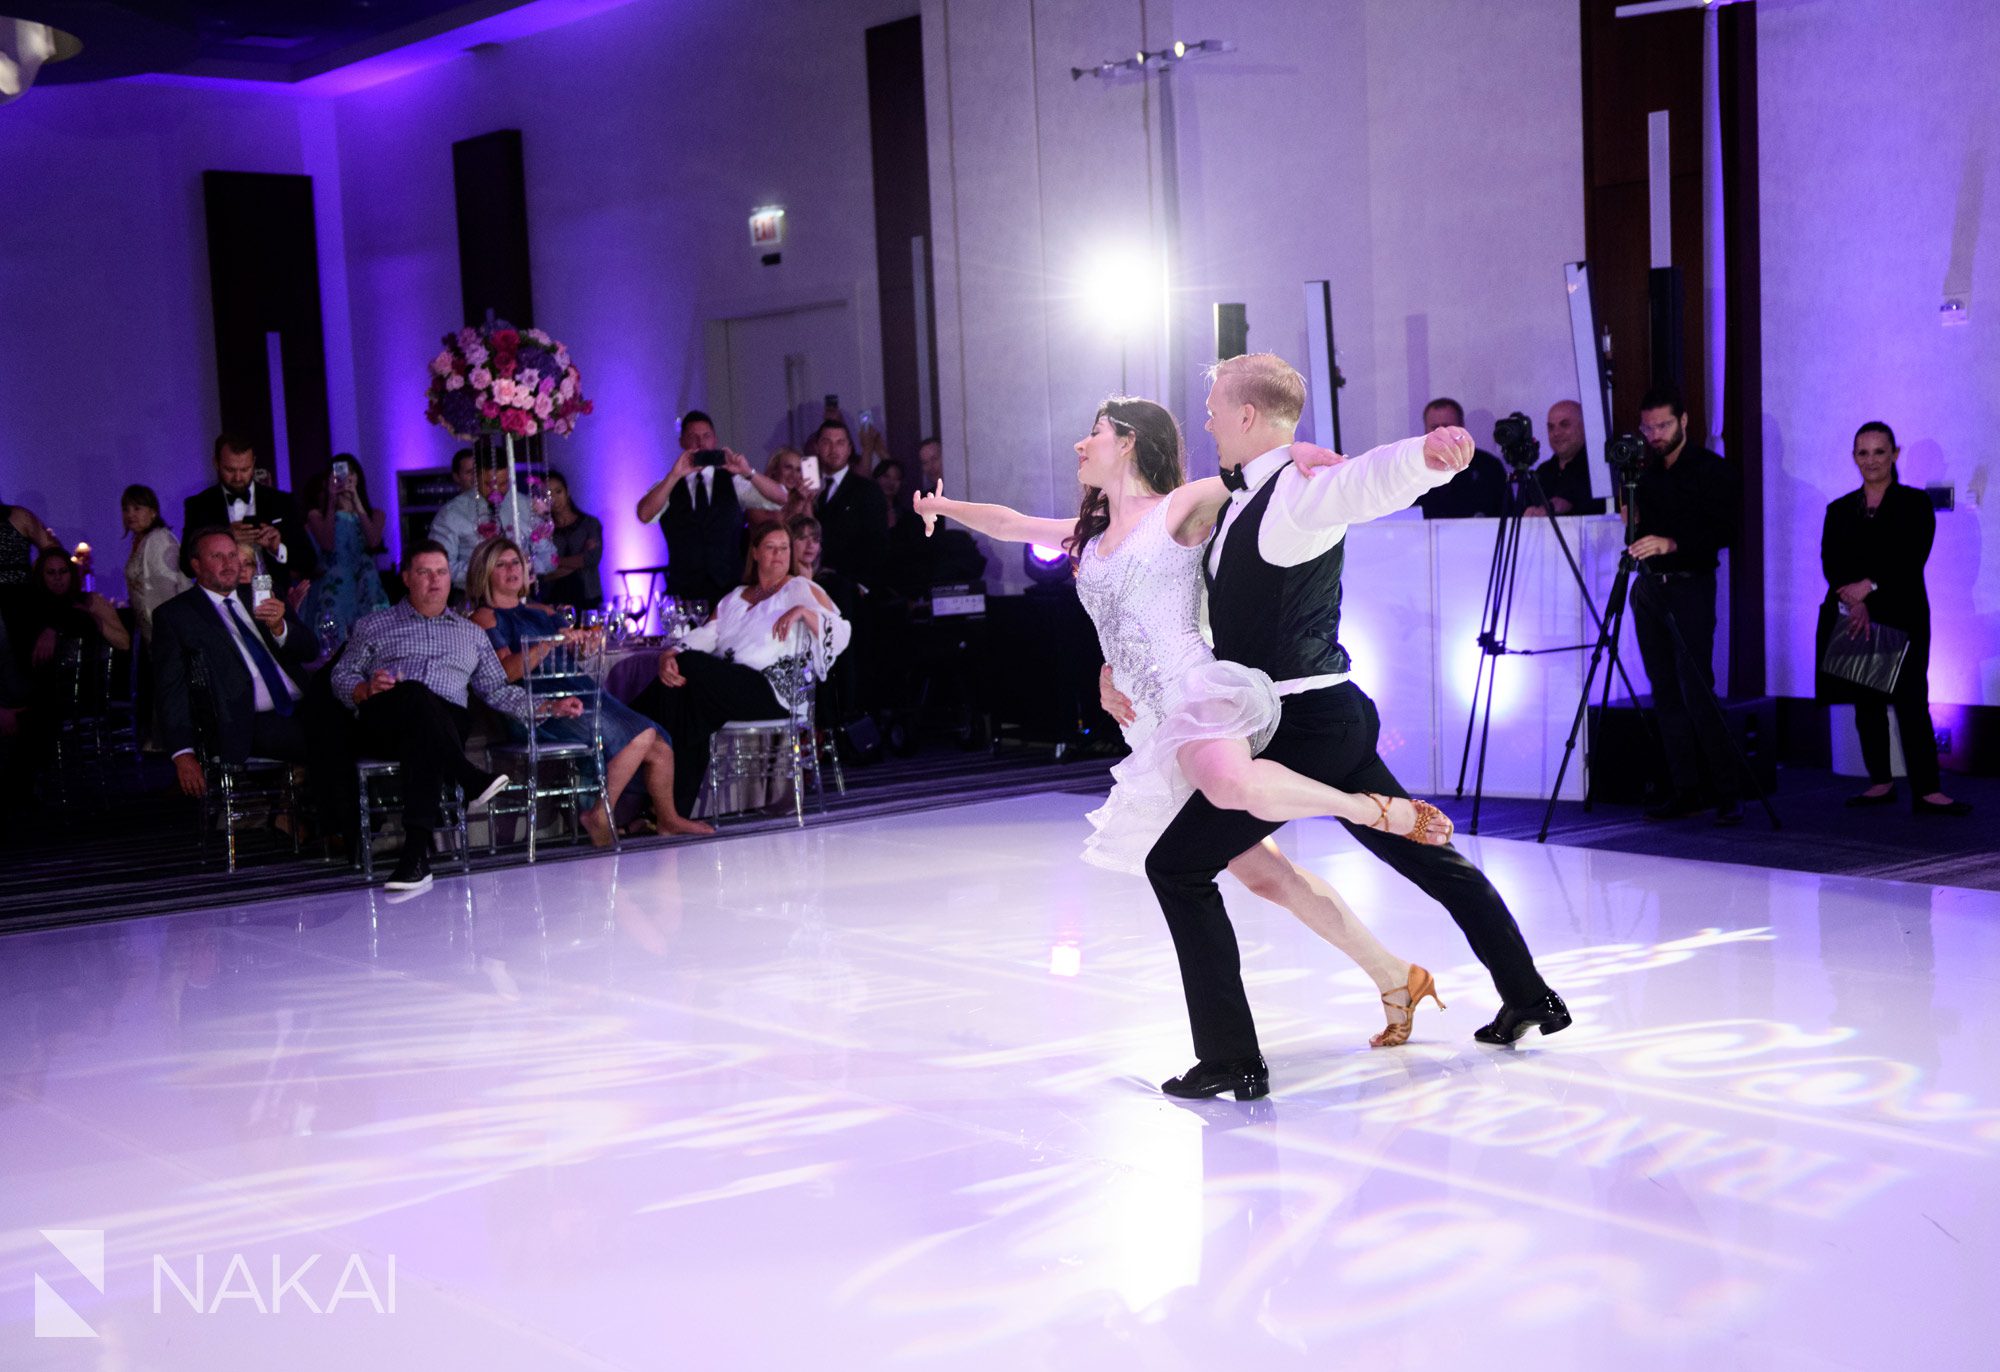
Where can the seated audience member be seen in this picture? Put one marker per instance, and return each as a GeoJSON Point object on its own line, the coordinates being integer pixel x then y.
{"type": "Point", "coordinates": [465, 469]}
{"type": "Point", "coordinates": [496, 584]}
{"type": "Point", "coordinates": [1479, 490]}
{"type": "Point", "coordinates": [55, 607]}
{"type": "Point", "coordinates": [579, 539]}
{"type": "Point", "coordinates": [22, 534]}
{"type": "Point", "coordinates": [853, 516]}
{"type": "Point", "coordinates": [720, 672]}
{"type": "Point", "coordinates": [1564, 474]}
{"type": "Point", "coordinates": [261, 516]}
{"type": "Point", "coordinates": [787, 468]}
{"type": "Point", "coordinates": [405, 673]}
{"type": "Point", "coordinates": [492, 509]}
{"type": "Point", "coordinates": [22, 744]}
{"type": "Point", "coordinates": [254, 661]}
{"type": "Point", "coordinates": [1873, 547]}
{"type": "Point", "coordinates": [701, 515]}
{"type": "Point", "coordinates": [347, 530]}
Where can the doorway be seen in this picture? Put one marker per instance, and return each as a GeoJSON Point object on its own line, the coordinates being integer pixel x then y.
{"type": "Point", "coordinates": [770, 374]}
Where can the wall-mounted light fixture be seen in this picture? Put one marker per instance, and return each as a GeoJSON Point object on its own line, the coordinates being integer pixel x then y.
{"type": "Point", "coordinates": [1180, 51]}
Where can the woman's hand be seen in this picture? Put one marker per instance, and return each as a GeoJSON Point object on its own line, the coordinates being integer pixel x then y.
{"type": "Point", "coordinates": [1853, 593]}
{"type": "Point", "coordinates": [783, 628]}
{"type": "Point", "coordinates": [45, 649]}
{"type": "Point", "coordinates": [927, 506]}
{"type": "Point", "coordinates": [1310, 457]}
{"type": "Point", "coordinates": [1858, 623]}
{"type": "Point", "coordinates": [670, 669]}
{"type": "Point", "coordinates": [1115, 702]}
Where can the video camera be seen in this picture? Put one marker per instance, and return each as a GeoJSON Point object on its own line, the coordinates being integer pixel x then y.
{"type": "Point", "coordinates": [1626, 456]}
{"type": "Point", "coordinates": [1514, 436]}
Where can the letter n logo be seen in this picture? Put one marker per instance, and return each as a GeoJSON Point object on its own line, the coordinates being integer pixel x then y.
{"type": "Point", "coordinates": [84, 1250]}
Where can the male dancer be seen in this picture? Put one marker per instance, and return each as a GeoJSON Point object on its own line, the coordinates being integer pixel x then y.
{"type": "Point", "coordinates": [1273, 571]}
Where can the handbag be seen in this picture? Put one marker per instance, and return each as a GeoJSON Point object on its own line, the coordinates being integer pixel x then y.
{"type": "Point", "coordinates": [1873, 661]}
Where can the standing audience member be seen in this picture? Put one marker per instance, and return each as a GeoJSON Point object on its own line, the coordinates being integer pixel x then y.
{"type": "Point", "coordinates": [153, 576]}
{"type": "Point", "coordinates": [1564, 474]}
{"type": "Point", "coordinates": [579, 539]}
{"type": "Point", "coordinates": [787, 468]}
{"type": "Point", "coordinates": [1480, 490]}
{"type": "Point", "coordinates": [261, 516]}
{"type": "Point", "coordinates": [253, 661]}
{"type": "Point", "coordinates": [22, 534]}
{"type": "Point", "coordinates": [930, 464]}
{"type": "Point", "coordinates": [1873, 548]}
{"type": "Point", "coordinates": [852, 513]}
{"type": "Point", "coordinates": [702, 514]}
{"type": "Point", "coordinates": [493, 509]}
{"type": "Point", "coordinates": [348, 533]}
{"type": "Point", "coordinates": [496, 584]}
{"type": "Point", "coordinates": [153, 573]}
{"type": "Point", "coordinates": [719, 672]}
{"type": "Point", "coordinates": [405, 673]}
{"type": "Point", "coordinates": [1686, 514]}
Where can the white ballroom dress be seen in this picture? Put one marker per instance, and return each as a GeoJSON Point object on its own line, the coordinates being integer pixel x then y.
{"type": "Point", "coordinates": [1145, 599]}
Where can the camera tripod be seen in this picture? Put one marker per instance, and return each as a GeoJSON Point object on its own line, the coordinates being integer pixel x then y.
{"type": "Point", "coordinates": [1607, 645]}
{"type": "Point", "coordinates": [1524, 489]}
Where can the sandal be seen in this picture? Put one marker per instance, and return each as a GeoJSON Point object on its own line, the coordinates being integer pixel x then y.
{"type": "Point", "coordinates": [1430, 820]}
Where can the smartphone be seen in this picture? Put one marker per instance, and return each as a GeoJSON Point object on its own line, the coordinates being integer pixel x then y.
{"type": "Point", "coordinates": [832, 401]}
{"type": "Point", "coordinates": [710, 457]}
{"type": "Point", "coordinates": [809, 471]}
{"type": "Point", "coordinates": [260, 589]}
{"type": "Point", "coordinates": [344, 470]}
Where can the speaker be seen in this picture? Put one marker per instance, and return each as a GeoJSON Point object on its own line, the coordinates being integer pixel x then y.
{"type": "Point", "coordinates": [490, 182]}
{"type": "Point", "coordinates": [1232, 331]}
{"type": "Point", "coordinates": [1669, 350]}
{"type": "Point", "coordinates": [1626, 762]}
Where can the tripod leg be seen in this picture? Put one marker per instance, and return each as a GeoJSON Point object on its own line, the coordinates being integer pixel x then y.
{"type": "Point", "coordinates": [1607, 641]}
{"type": "Point", "coordinates": [1489, 623]}
{"type": "Point", "coordinates": [1493, 645]}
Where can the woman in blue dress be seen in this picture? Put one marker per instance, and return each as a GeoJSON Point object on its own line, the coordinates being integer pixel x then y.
{"type": "Point", "coordinates": [495, 582]}
{"type": "Point", "coordinates": [348, 532]}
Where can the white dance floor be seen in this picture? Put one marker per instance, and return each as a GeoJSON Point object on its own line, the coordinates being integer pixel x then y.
{"type": "Point", "coordinates": [881, 1095]}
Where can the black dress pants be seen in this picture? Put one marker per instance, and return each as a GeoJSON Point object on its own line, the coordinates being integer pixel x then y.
{"type": "Point", "coordinates": [1694, 735]}
{"type": "Point", "coordinates": [1329, 735]}
{"type": "Point", "coordinates": [717, 692]}
{"type": "Point", "coordinates": [411, 725]}
{"type": "Point", "coordinates": [1913, 722]}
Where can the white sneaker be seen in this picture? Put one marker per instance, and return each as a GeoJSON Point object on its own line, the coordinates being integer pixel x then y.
{"type": "Point", "coordinates": [493, 788]}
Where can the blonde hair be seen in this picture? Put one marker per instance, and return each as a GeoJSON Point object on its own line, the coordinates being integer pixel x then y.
{"type": "Point", "coordinates": [479, 569]}
{"type": "Point", "coordinates": [1266, 381]}
{"type": "Point", "coordinates": [771, 463]}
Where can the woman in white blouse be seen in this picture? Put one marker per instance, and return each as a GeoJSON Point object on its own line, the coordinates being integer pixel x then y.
{"type": "Point", "coordinates": [733, 666]}
{"type": "Point", "coordinates": [153, 573]}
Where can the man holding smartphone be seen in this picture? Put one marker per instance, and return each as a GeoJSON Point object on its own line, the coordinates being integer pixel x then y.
{"type": "Point", "coordinates": [264, 519]}
{"type": "Point", "coordinates": [700, 505]}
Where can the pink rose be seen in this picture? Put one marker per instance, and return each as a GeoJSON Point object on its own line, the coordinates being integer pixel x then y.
{"type": "Point", "coordinates": [503, 392]}
{"type": "Point", "coordinates": [542, 406]}
{"type": "Point", "coordinates": [488, 408]}
{"type": "Point", "coordinates": [468, 338]}
{"type": "Point", "coordinates": [481, 378]}
{"type": "Point", "coordinates": [476, 354]}
{"type": "Point", "coordinates": [441, 364]}
{"type": "Point", "coordinates": [515, 422]}
{"type": "Point", "coordinates": [454, 382]}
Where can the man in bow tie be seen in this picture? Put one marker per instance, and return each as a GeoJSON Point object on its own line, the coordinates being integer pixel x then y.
{"type": "Point", "coordinates": [1273, 569]}
{"type": "Point", "coordinates": [264, 519]}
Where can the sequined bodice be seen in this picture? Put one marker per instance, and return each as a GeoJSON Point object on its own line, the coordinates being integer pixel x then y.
{"type": "Point", "coordinates": [1145, 599]}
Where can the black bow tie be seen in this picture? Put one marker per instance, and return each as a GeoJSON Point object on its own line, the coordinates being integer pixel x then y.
{"type": "Point", "coordinates": [1233, 479]}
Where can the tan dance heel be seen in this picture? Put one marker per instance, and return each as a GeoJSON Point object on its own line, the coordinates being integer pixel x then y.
{"type": "Point", "coordinates": [1397, 1034]}
{"type": "Point", "coordinates": [1428, 817]}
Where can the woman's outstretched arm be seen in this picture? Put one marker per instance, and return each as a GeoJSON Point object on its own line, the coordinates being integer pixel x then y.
{"type": "Point", "coordinates": [995, 521]}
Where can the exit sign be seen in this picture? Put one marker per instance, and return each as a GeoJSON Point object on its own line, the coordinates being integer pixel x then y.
{"type": "Point", "coordinates": [767, 227]}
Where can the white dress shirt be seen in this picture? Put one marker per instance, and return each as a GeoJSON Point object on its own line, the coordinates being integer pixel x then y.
{"type": "Point", "coordinates": [1307, 515]}
{"type": "Point", "coordinates": [747, 494]}
{"type": "Point", "coordinates": [228, 606]}
{"type": "Point", "coordinates": [246, 508]}
{"type": "Point", "coordinates": [832, 484]}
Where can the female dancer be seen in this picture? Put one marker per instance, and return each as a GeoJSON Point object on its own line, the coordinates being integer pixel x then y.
{"type": "Point", "coordinates": [1137, 545]}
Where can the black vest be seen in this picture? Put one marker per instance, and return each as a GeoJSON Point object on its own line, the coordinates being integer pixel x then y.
{"type": "Point", "coordinates": [707, 545]}
{"type": "Point", "coordinates": [1284, 621]}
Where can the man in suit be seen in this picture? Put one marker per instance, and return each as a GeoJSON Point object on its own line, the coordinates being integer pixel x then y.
{"type": "Point", "coordinates": [253, 660]}
{"type": "Point", "coordinates": [260, 515]}
{"type": "Point", "coordinates": [700, 505]}
{"type": "Point", "coordinates": [852, 511]}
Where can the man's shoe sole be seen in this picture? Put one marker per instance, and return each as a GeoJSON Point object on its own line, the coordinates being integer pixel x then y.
{"type": "Point", "coordinates": [494, 788]}
{"type": "Point", "coordinates": [409, 887]}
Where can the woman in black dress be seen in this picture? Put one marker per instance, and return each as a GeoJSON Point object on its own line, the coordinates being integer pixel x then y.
{"type": "Point", "coordinates": [1873, 549]}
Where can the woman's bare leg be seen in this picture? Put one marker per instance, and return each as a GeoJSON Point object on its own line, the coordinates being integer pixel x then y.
{"type": "Point", "coordinates": [1223, 770]}
{"type": "Point", "coordinates": [617, 776]}
{"type": "Point", "coordinates": [660, 786]}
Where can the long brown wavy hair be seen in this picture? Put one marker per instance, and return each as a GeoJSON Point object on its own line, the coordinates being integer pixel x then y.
{"type": "Point", "coordinates": [1157, 451]}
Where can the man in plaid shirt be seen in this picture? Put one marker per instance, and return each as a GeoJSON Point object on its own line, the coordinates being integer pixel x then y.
{"type": "Point", "coordinates": [405, 673]}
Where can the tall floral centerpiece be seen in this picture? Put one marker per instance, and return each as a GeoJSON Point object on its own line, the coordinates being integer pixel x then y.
{"type": "Point", "coordinates": [495, 383]}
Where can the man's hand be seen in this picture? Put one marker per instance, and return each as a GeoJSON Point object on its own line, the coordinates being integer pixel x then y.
{"type": "Point", "coordinates": [1854, 593]}
{"type": "Point", "coordinates": [187, 771]}
{"type": "Point", "coordinates": [1652, 545]}
{"type": "Point", "coordinates": [682, 464]}
{"type": "Point", "coordinates": [271, 614]}
{"type": "Point", "coordinates": [1115, 702]}
{"type": "Point", "coordinates": [378, 682]}
{"type": "Point", "coordinates": [735, 463]}
{"type": "Point", "coordinates": [245, 530]}
{"type": "Point", "coordinates": [267, 538]}
{"type": "Point", "coordinates": [1448, 449]}
{"type": "Point", "coordinates": [1310, 457]}
{"type": "Point", "coordinates": [670, 669]}
{"type": "Point", "coordinates": [1559, 505]}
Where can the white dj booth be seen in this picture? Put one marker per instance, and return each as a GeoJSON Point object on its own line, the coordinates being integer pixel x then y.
{"type": "Point", "coordinates": [1413, 597]}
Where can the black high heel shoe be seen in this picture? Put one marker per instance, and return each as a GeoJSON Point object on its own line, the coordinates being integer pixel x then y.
{"type": "Point", "coordinates": [1548, 1014]}
{"type": "Point", "coordinates": [1249, 1078]}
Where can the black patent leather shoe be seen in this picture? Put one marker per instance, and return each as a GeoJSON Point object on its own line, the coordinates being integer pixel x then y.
{"type": "Point", "coordinates": [1249, 1078]}
{"type": "Point", "coordinates": [1548, 1014]}
{"type": "Point", "coordinates": [1920, 806]}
